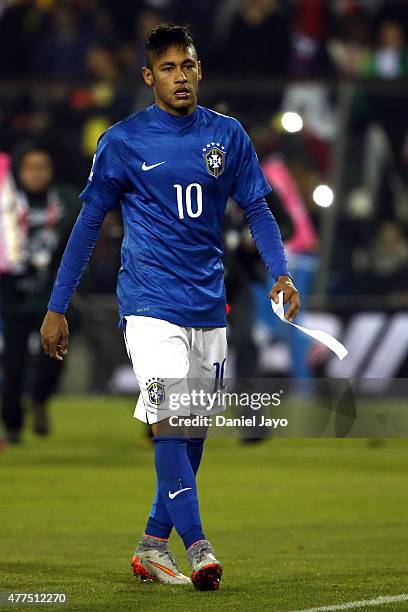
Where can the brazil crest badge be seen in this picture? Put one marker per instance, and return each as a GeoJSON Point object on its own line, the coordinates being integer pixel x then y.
{"type": "Point", "coordinates": [214, 157]}
{"type": "Point", "coordinates": [156, 391]}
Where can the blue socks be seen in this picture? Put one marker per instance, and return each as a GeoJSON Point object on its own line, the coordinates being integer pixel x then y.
{"type": "Point", "coordinates": [177, 461]}
{"type": "Point", "coordinates": [195, 447]}
{"type": "Point", "coordinates": [159, 524]}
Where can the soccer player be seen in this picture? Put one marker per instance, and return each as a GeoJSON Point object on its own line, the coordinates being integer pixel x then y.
{"type": "Point", "coordinates": [171, 168]}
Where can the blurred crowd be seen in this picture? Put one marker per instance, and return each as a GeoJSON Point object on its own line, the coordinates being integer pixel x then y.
{"type": "Point", "coordinates": [69, 39]}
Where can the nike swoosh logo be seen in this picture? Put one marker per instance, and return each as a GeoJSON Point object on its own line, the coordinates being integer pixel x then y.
{"type": "Point", "coordinates": [146, 167]}
{"type": "Point", "coordinates": [173, 495]}
{"type": "Point", "coordinates": [165, 569]}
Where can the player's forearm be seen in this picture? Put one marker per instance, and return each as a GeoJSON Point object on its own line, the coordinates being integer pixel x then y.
{"type": "Point", "coordinates": [268, 240]}
{"type": "Point", "coordinates": [76, 256]}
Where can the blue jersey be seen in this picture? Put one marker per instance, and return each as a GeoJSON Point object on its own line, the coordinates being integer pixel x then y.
{"type": "Point", "coordinates": [172, 177]}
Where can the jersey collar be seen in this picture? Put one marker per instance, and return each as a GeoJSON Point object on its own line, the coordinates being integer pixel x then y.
{"type": "Point", "coordinates": [173, 120]}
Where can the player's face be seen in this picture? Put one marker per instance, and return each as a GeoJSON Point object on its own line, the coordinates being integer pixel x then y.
{"type": "Point", "coordinates": [174, 76]}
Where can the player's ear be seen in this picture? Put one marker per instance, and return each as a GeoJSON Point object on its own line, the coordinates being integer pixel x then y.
{"type": "Point", "coordinates": [200, 73]}
{"type": "Point", "coordinates": [148, 76]}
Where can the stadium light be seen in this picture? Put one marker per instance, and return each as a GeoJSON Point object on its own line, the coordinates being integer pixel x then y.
{"type": "Point", "coordinates": [292, 122]}
{"type": "Point", "coordinates": [323, 196]}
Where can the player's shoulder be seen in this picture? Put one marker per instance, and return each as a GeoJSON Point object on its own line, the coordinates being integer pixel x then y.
{"type": "Point", "coordinates": [126, 129]}
{"type": "Point", "coordinates": [212, 116]}
{"type": "Point", "coordinates": [225, 123]}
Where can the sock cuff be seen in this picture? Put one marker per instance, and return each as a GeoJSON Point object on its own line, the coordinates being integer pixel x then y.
{"type": "Point", "coordinates": [201, 541]}
{"type": "Point", "coordinates": [147, 535]}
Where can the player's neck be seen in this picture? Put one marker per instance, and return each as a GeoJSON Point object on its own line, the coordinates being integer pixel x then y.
{"type": "Point", "coordinates": [183, 112]}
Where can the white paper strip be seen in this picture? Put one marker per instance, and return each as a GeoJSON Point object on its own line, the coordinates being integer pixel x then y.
{"type": "Point", "coordinates": [326, 339]}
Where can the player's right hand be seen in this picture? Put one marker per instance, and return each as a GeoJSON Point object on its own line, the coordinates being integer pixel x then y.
{"type": "Point", "coordinates": [54, 335]}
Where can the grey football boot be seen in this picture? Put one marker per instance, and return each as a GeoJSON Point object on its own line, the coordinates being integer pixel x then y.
{"type": "Point", "coordinates": [206, 570]}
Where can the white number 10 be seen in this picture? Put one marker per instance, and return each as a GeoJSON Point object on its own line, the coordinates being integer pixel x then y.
{"type": "Point", "coordinates": [189, 208]}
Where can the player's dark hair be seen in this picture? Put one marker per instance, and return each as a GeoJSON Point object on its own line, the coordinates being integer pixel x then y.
{"type": "Point", "coordinates": [164, 36]}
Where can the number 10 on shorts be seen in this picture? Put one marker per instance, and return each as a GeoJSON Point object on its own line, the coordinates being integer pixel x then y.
{"type": "Point", "coordinates": [219, 383]}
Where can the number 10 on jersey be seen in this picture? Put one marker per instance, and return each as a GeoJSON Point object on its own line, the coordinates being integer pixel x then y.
{"type": "Point", "coordinates": [188, 200]}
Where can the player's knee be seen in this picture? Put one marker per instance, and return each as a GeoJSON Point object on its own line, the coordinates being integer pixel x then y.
{"type": "Point", "coordinates": [172, 431]}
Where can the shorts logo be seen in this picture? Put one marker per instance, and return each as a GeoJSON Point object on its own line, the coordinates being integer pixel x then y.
{"type": "Point", "coordinates": [156, 391]}
{"type": "Point", "coordinates": [214, 156]}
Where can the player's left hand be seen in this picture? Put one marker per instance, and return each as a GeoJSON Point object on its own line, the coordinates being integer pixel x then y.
{"type": "Point", "coordinates": [290, 294]}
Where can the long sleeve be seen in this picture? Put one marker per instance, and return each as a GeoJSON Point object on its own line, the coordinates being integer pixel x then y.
{"type": "Point", "coordinates": [76, 256]}
{"type": "Point", "coordinates": [249, 190]}
{"type": "Point", "coordinates": [268, 240]}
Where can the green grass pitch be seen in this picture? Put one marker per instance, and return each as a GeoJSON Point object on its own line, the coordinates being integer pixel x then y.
{"type": "Point", "coordinates": [296, 523]}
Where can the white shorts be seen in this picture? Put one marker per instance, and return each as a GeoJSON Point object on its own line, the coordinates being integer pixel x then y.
{"type": "Point", "coordinates": [170, 362]}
